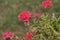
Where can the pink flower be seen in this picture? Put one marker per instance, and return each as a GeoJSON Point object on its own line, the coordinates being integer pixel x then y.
{"type": "Point", "coordinates": [7, 35]}
{"type": "Point", "coordinates": [46, 3]}
{"type": "Point", "coordinates": [36, 15]}
{"type": "Point", "coordinates": [29, 35]}
{"type": "Point", "coordinates": [24, 16]}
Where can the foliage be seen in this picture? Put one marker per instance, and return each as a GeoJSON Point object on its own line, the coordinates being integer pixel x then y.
{"type": "Point", "coordinates": [45, 28]}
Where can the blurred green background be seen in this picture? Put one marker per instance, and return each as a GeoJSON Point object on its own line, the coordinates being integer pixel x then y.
{"type": "Point", "coordinates": [9, 10]}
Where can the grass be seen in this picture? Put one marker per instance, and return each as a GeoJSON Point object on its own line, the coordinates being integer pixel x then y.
{"type": "Point", "coordinates": [9, 10]}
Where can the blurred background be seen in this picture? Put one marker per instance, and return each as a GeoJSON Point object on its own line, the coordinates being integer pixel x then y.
{"type": "Point", "coordinates": [9, 10]}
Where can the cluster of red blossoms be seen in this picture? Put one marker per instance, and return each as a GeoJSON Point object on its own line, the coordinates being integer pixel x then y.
{"type": "Point", "coordinates": [10, 35]}
{"type": "Point", "coordinates": [24, 16]}
{"type": "Point", "coordinates": [46, 3]}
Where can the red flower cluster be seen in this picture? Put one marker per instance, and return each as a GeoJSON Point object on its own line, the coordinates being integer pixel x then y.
{"type": "Point", "coordinates": [24, 16]}
{"type": "Point", "coordinates": [46, 3]}
{"type": "Point", "coordinates": [7, 35]}
{"type": "Point", "coordinates": [29, 35]}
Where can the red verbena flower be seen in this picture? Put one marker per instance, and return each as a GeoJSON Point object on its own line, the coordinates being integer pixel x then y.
{"type": "Point", "coordinates": [29, 35]}
{"type": "Point", "coordinates": [7, 35]}
{"type": "Point", "coordinates": [24, 16]}
{"type": "Point", "coordinates": [17, 38]}
{"type": "Point", "coordinates": [36, 15]}
{"type": "Point", "coordinates": [46, 3]}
